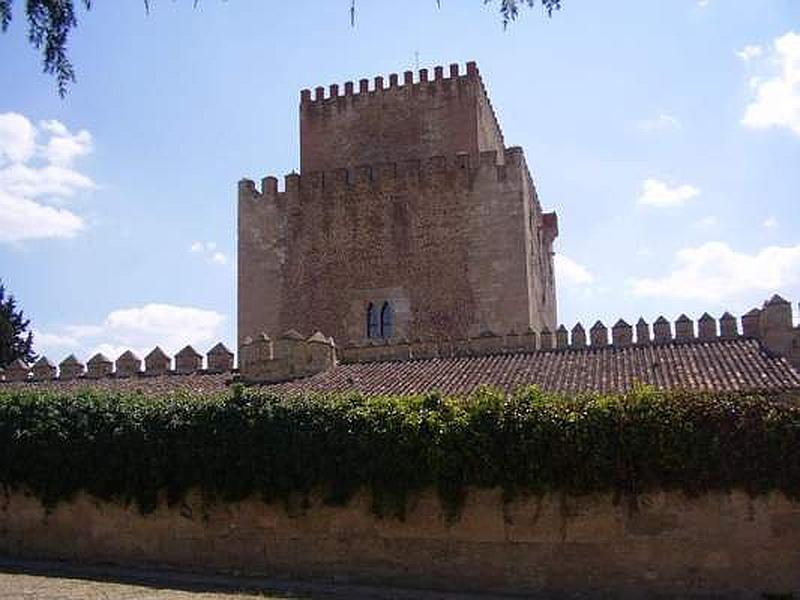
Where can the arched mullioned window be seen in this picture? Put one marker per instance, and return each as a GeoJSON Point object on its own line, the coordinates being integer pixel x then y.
{"type": "Point", "coordinates": [387, 320]}
{"type": "Point", "coordinates": [373, 327]}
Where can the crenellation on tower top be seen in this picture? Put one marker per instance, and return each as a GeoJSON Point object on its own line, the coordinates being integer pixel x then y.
{"type": "Point", "coordinates": [269, 185]}
{"type": "Point", "coordinates": [379, 83]}
{"type": "Point", "coordinates": [428, 172]}
{"type": "Point", "coordinates": [395, 122]}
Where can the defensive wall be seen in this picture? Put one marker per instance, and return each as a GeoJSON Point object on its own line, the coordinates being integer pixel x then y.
{"type": "Point", "coordinates": [188, 361]}
{"type": "Point", "coordinates": [291, 355]}
{"type": "Point", "coordinates": [771, 325]}
{"type": "Point", "coordinates": [664, 543]}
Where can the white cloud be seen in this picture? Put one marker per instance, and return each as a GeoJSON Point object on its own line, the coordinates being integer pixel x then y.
{"type": "Point", "coordinates": [708, 221]}
{"type": "Point", "coordinates": [571, 273]}
{"type": "Point", "coordinates": [139, 329]}
{"type": "Point", "coordinates": [208, 250]}
{"type": "Point", "coordinates": [771, 223]}
{"type": "Point", "coordinates": [777, 97]}
{"type": "Point", "coordinates": [24, 181]}
{"type": "Point", "coordinates": [63, 147]}
{"type": "Point", "coordinates": [171, 326]}
{"type": "Point", "coordinates": [661, 194]}
{"type": "Point", "coordinates": [17, 138]}
{"type": "Point", "coordinates": [661, 122]}
{"type": "Point", "coordinates": [702, 3]}
{"type": "Point", "coordinates": [23, 219]}
{"type": "Point", "coordinates": [44, 339]}
{"type": "Point", "coordinates": [36, 179]}
{"type": "Point", "coordinates": [714, 272]}
{"type": "Point", "coordinates": [749, 52]}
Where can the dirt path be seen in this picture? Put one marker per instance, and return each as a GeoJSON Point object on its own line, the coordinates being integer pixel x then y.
{"type": "Point", "coordinates": [38, 587]}
{"type": "Point", "coordinates": [44, 580]}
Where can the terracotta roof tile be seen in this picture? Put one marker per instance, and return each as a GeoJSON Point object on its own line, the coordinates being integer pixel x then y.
{"type": "Point", "coordinates": [720, 365]}
{"type": "Point", "coordinates": [199, 382]}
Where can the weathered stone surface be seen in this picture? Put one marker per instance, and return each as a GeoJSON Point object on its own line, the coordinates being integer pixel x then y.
{"type": "Point", "coordinates": [219, 359]}
{"type": "Point", "coordinates": [188, 360]}
{"type": "Point", "coordinates": [99, 366]}
{"type": "Point", "coordinates": [157, 362]}
{"type": "Point", "coordinates": [727, 544]}
{"type": "Point", "coordinates": [70, 368]}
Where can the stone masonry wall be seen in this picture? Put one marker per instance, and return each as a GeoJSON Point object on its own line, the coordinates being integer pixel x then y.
{"type": "Point", "coordinates": [451, 242]}
{"type": "Point", "coordinates": [719, 544]}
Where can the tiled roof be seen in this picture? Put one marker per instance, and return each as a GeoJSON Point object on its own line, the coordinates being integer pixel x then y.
{"type": "Point", "coordinates": [730, 365]}
{"type": "Point", "coordinates": [720, 365]}
{"type": "Point", "coordinates": [201, 382]}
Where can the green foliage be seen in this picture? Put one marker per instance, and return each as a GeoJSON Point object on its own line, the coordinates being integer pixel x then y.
{"type": "Point", "coordinates": [509, 9]}
{"type": "Point", "coordinates": [128, 448]}
{"type": "Point", "coordinates": [49, 24]}
{"type": "Point", "coordinates": [15, 339]}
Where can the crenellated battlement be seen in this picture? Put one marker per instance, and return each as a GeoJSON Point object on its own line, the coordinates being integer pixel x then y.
{"type": "Point", "coordinates": [291, 356]}
{"type": "Point", "coordinates": [423, 83]}
{"type": "Point", "coordinates": [396, 119]}
{"type": "Point", "coordinates": [771, 326]}
{"type": "Point", "coordinates": [461, 169]}
{"type": "Point", "coordinates": [157, 363]}
{"type": "Point", "coordinates": [451, 83]}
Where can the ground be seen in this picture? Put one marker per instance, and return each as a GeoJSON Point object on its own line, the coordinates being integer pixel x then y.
{"type": "Point", "coordinates": [43, 580]}
{"type": "Point", "coordinates": [37, 587]}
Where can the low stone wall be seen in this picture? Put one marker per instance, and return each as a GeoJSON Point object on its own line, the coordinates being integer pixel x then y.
{"type": "Point", "coordinates": [726, 544]}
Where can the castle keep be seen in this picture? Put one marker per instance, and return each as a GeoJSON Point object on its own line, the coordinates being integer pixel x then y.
{"type": "Point", "coordinates": [410, 218]}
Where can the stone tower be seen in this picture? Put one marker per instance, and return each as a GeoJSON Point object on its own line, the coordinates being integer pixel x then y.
{"type": "Point", "coordinates": [410, 218]}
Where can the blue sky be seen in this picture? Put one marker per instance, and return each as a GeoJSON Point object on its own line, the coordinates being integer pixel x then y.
{"type": "Point", "coordinates": [666, 134]}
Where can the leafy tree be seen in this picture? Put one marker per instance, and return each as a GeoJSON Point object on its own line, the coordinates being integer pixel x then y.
{"type": "Point", "coordinates": [51, 21]}
{"type": "Point", "coordinates": [15, 339]}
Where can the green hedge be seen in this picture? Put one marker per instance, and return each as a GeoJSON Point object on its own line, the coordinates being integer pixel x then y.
{"type": "Point", "coordinates": [128, 447]}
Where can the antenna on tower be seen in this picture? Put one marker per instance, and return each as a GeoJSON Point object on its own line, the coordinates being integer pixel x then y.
{"type": "Point", "coordinates": [416, 60]}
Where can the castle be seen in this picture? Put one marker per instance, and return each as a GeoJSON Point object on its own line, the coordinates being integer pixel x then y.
{"type": "Point", "coordinates": [415, 240]}
{"type": "Point", "coordinates": [409, 218]}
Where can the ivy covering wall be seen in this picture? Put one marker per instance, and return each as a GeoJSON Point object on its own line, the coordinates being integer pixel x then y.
{"type": "Point", "coordinates": [128, 448]}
